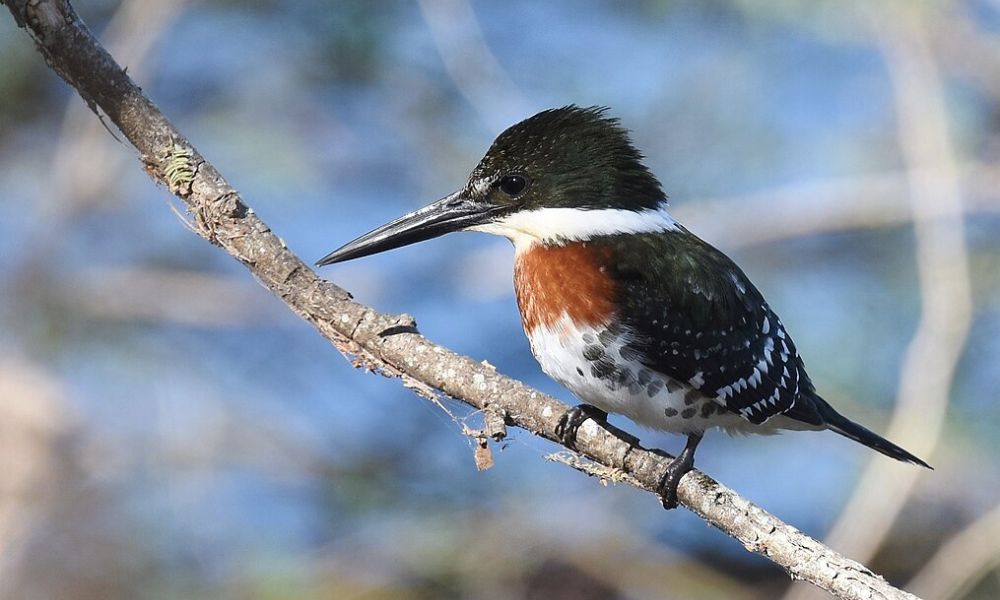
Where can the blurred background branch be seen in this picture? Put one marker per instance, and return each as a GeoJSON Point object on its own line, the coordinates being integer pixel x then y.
{"type": "Point", "coordinates": [929, 365]}
{"type": "Point", "coordinates": [928, 370]}
{"type": "Point", "coordinates": [835, 206]}
{"type": "Point", "coordinates": [75, 187]}
{"type": "Point", "coordinates": [34, 425]}
{"type": "Point", "coordinates": [962, 560]}
{"type": "Point", "coordinates": [471, 65]}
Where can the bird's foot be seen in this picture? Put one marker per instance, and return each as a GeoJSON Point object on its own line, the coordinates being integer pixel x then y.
{"type": "Point", "coordinates": [667, 489]}
{"type": "Point", "coordinates": [571, 421]}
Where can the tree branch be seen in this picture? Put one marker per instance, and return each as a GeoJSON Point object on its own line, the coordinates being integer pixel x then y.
{"type": "Point", "coordinates": [391, 344]}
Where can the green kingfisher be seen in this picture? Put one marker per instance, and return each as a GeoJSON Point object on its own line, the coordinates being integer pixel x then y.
{"type": "Point", "coordinates": [622, 304]}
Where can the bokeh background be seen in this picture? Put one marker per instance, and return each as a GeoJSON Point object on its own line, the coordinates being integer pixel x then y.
{"type": "Point", "coordinates": [170, 430]}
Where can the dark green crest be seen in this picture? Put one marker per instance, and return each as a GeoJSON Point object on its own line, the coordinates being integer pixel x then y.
{"type": "Point", "coordinates": [568, 157]}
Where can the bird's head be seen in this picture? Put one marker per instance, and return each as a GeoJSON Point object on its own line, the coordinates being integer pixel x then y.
{"type": "Point", "coordinates": [563, 174]}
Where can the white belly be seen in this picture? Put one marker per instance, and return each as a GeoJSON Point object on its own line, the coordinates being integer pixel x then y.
{"type": "Point", "coordinates": [589, 361]}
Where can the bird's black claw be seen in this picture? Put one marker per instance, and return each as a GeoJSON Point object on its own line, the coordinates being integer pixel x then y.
{"type": "Point", "coordinates": [571, 421]}
{"type": "Point", "coordinates": [667, 490]}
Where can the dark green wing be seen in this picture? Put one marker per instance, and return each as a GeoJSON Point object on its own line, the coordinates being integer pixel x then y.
{"type": "Point", "coordinates": [696, 317]}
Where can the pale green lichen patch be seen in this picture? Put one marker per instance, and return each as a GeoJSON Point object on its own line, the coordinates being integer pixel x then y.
{"type": "Point", "coordinates": [179, 169]}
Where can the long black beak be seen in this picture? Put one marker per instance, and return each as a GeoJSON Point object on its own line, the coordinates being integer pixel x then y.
{"type": "Point", "coordinates": [448, 214]}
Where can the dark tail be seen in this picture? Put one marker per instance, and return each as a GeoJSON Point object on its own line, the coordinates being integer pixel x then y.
{"type": "Point", "coordinates": [847, 428]}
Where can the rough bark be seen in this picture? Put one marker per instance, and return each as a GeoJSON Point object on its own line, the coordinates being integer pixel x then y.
{"type": "Point", "coordinates": [391, 344]}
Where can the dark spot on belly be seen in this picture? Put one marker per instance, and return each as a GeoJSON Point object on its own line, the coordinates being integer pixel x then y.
{"type": "Point", "coordinates": [691, 397]}
{"type": "Point", "coordinates": [594, 352]}
{"type": "Point", "coordinates": [579, 371]}
{"type": "Point", "coordinates": [709, 408]}
{"type": "Point", "coordinates": [687, 413]}
{"type": "Point", "coordinates": [608, 336]}
{"type": "Point", "coordinates": [654, 387]}
{"type": "Point", "coordinates": [604, 369]}
{"type": "Point", "coordinates": [589, 338]}
{"type": "Point", "coordinates": [624, 378]}
{"type": "Point", "coordinates": [644, 376]}
{"type": "Point", "coordinates": [670, 411]}
{"type": "Point", "coordinates": [672, 386]}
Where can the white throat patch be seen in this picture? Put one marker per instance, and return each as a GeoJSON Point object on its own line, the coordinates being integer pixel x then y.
{"type": "Point", "coordinates": [558, 225]}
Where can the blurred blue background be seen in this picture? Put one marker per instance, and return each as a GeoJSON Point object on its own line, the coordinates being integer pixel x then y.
{"type": "Point", "coordinates": [170, 430]}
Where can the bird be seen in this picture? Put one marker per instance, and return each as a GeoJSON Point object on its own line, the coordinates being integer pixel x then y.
{"type": "Point", "coordinates": [622, 304]}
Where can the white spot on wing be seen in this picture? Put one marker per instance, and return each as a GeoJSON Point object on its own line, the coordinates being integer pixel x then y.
{"type": "Point", "coordinates": [762, 364]}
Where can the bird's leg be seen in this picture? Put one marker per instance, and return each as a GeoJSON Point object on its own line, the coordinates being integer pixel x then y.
{"type": "Point", "coordinates": [675, 470]}
{"type": "Point", "coordinates": [571, 421]}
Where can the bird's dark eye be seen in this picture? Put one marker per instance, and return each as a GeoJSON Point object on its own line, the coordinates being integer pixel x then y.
{"type": "Point", "coordinates": [513, 185]}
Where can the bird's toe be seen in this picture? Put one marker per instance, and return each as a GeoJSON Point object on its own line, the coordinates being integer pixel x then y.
{"type": "Point", "coordinates": [571, 421]}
